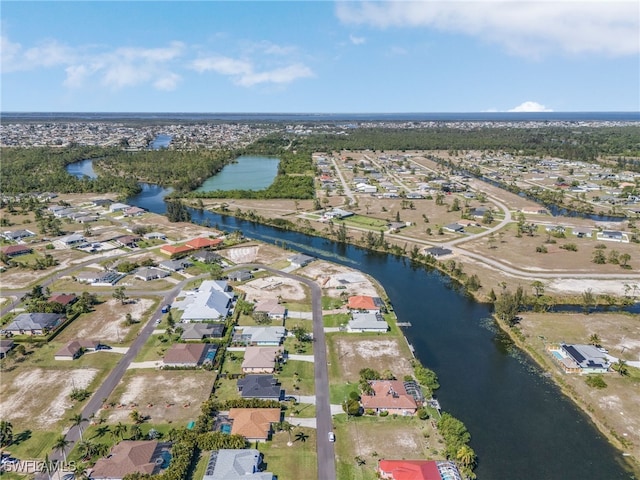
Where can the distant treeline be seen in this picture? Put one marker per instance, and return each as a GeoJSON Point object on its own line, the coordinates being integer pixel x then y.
{"type": "Point", "coordinates": [579, 143]}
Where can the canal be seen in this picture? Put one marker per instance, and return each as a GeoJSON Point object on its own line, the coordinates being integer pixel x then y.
{"type": "Point", "coordinates": [522, 426]}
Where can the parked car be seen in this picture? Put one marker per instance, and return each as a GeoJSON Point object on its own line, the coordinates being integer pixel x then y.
{"type": "Point", "coordinates": [332, 437]}
{"type": "Point", "coordinates": [166, 309]}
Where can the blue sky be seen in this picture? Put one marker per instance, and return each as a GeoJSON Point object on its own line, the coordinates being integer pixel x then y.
{"type": "Point", "coordinates": [320, 56]}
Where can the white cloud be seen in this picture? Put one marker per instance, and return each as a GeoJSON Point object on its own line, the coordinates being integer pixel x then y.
{"type": "Point", "coordinates": [530, 107]}
{"type": "Point", "coordinates": [245, 73]}
{"type": "Point", "coordinates": [357, 40]}
{"type": "Point", "coordinates": [47, 54]}
{"type": "Point", "coordinates": [525, 28]}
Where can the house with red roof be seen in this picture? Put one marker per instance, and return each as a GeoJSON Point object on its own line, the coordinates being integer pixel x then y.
{"type": "Point", "coordinates": [203, 242]}
{"type": "Point", "coordinates": [63, 299]}
{"type": "Point", "coordinates": [173, 250]}
{"type": "Point", "coordinates": [418, 470]}
{"type": "Point", "coordinates": [364, 302]}
{"type": "Point", "coordinates": [389, 396]}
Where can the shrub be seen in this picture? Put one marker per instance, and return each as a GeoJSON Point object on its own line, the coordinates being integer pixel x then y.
{"type": "Point", "coordinates": [572, 247]}
{"type": "Point", "coordinates": [541, 249]}
{"type": "Point", "coordinates": [384, 414]}
{"type": "Point", "coordinates": [596, 381]}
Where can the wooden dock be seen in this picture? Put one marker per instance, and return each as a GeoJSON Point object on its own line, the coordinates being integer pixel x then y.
{"type": "Point", "coordinates": [403, 324]}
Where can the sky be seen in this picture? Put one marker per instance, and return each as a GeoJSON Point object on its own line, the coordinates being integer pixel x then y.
{"type": "Point", "coordinates": [320, 56]}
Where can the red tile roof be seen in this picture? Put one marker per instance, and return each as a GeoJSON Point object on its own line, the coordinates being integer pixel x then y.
{"type": "Point", "coordinates": [173, 249]}
{"type": "Point", "coordinates": [63, 298]}
{"type": "Point", "coordinates": [409, 469]}
{"type": "Point", "coordinates": [388, 394]}
{"type": "Point", "coordinates": [362, 302]}
{"type": "Point", "coordinates": [126, 457]}
{"type": "Point", "coordinates": [203, 242]}
{"type": "Point", "coordinates": [15, 249]}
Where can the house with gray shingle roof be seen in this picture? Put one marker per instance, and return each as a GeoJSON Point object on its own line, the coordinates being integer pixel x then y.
{"type": "Point", "coordinates": [261, 336]}
{"type": "Point", "coordinates": [260, 386]}
{"type": "Point", "coordinates": [228, 464]}
{"type": "Point", "coordinates": [34, 323]}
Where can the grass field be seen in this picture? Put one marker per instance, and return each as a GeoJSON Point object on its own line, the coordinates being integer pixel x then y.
{"type": "Point", "coordinates": [335, 319]}
{"type": "Point", "coordinates": [298, 461]}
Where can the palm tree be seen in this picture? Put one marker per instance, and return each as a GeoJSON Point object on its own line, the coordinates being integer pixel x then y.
{"type": "Point", "coordinates": [286, 427]}
{"type": "Point", "coordinates": [48, 467]}
{"type": "Point", "coordinates": [119, 430]}
{"type": "Point", "coordinates": [594, 340]}
{"type": "Point", "coordinates": [466, 456]}
{"type": "Point", "coordinates": [301, 436]}
{"type": "Point", "coordinates": [61, 444]}
{"type": "Point", "coordinates": [86, 449]}
{"type": "Point", "coordinates": [81, 472]}
{"type": "Point", "coordinates": [621, 367]}
{"type": "Point", "coordinates": [136, 432]}
{"type": "Point", "coordinates": [101, 431]}
{"type": "Point", "coordinates": [77, 421]}
{"type": "Point", "coordinates": [6, 433]}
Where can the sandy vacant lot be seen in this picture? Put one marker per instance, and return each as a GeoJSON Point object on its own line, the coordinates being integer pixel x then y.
{"type": "Point", "coordinates": [106, 322]}
{"type": "Point", "coordinates": [272, 288]}
{"type": "Point", "coordinates": [164, 396]}
{"type": "Point", "coordinates": [24, 398]}
{"type": "Point", "coordinates": [378, 353]}
{"type": "Point", "coordinates": [329, 276]}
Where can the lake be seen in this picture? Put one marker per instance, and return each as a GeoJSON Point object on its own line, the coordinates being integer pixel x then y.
{"type": "Point", "coordinates": [247, 173]}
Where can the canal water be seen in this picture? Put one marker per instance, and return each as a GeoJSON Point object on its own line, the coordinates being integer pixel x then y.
{"type": "Point", "coordinates": [246, 173]}
{"type": "Point", "coordinates": [522, 427]}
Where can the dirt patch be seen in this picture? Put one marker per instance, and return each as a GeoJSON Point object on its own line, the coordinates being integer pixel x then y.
{"type": "Point", "coordinates": [24, 399]}
{"type": "Point", "coordinates": [336, 280]}
{"type": "Point", "coordinates": [274, 287]}
{"type": "Point", "coordinates": [380, 354]}
{"type": "Point", "coordinates": [163, 396]}
{"type": "Point", "coordinates": [106, 322]}
{"type": "Point", "coordinates": [241, 254]}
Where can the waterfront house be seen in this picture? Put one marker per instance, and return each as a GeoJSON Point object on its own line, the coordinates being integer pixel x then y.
{"type": "Point", "coordinates": [203, 242]}
{"type": "Point", "coordinates": [260, 359]}
{"type": "Point", "coordinates": [437, 252]}
{"type": "Point", "coordinates": [364, 303]}
{"type": "Point", "coordinates": [300, 260]}
{"type": "Point", "coordinates": [229, 464]}
{"type": "Point", "coordinates": [418, 470]}
{"type": "Point", "coordinates": [389, 396]}
{"type": "Point", "coordinates": [367, 322]}
{"type": "Point", "coordinates": [34, 323]}
{"type": "Point", "coordinates": [581, 359]}
{"type": "Point", "coordinates": [265, 387]}
{"type": "Point", "coordinates": [118, 207]}
{"type": "Point", "coordinates": [254, 423]}
{"type": "Point", "coordinates": [175, 251]}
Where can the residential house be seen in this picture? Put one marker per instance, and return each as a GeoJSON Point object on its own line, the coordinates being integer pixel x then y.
{"type": "Point", "coordinates": [130, 457]}
{"type": "Point", "coordinates": [240, 276]}
{"type": "Point", "coordinates": [203, 242]}
{"type": "Point", "coordinates": [582, 232]}
{"type": "Point", "coordinates": [260, 359]}
{"type": "Point", "coordinates": [437, 251]}
{"type": "Point", "coordinates": [367, 322]}
{"type": "Point", "coordinates": [175, 265]}
{"type": "Point", "coordinates": [102, 202]}
{"type": "Point", "coordinates": [155, 236]}
{"type": "Point", "coordinates": [99, 279]}
{"type": "Point", "coordinates": [17, 235]}
{"type": "Point", "coordinates": [418, 470]}
{"type": "Point", "coordinates": [454, 227]}
{"type": "Point", "coordinates": [254, 423]}
{"type": "Point", "coordinates": [271, 307]}
{"type": "Point", "coordinates": [265, 387]}
{"type": "Point", "coordinates": [34, 323]}
{"type": "Point", "coordinates": [478, 212]}
{"type": "Point", "coordinates": [300, 260]}
{"type": "Point", "coordinates": [582, 359]}
{"type": "Point", "coordinates": [15, 250]}
{"type": "Point", "coordinates": [175, 250]}
{"type": "Point", "coordinates": [133, 211]}
{"type": "Point", "coordinates": [260, 336]}
{"type": "Point", "coordinates": [118, 207]}
{"type": "Point", "coordinates": [212, 301]}
{"type": "Point", "coordinates": [365, 303]}
{"type": "Point", "coordinates": [389, 396]}
{"type": "Point", "coordinates": [206, 256]}
{"type": "Point", "coordinates": [150, 273]}
{"type": "Point", "coordinates": [228, 464]}
{"type": "Point", "coordinates": [130, 241]}
{"type": "Point", "coordinates": [189, 355]}
{"type": "Point", "coordinates": [613, 236]}
{"type": "Point", "coordinates": [6, 344]}
{"type": "Point", "coordinates": [70, 351]}
{"type": "Point", "coordinates": [64, 299]}
{"type": "Point", "coordinates": [70, 241]}
{"type": "Point", "coordinates": [200, 330]}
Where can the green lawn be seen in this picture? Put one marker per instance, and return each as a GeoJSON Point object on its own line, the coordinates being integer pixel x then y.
{"type": "Point", "coordinates": [338, 393]}
{"type": "Point", "coordinates": [329, 303]}
{"type": "Point", "coordinates": [155, 348]}
{"type": "Point", "coordinates": [293, 346]}
{"type": "Point", "coordinates": [28, 444]}
{"type": "Point", "coordinates": [297, 306]}
{"type": "Point", "coordinates": [200, 469]}
{"type": "Point", "coordinates": [298, 461]}
{"type": "Point", "coordinates": [305, 377]}
{"type": "Point", "coordinates": [364, 221]}
{"type": "Point", "coordinates": [335, 319]}
{"type": "Point", "coordinates": [233, 362]}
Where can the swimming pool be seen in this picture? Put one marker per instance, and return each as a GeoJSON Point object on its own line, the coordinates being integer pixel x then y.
{"type": "Point", "coordinates": [226, 428]}
{"type": "Point", "coordinates": [557, 354]}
